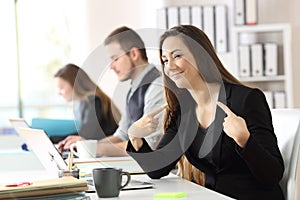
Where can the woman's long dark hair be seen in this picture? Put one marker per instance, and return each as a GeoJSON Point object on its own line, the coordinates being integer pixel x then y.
{"type": "Point", "coordinates": [209, 65]}
{"type": "Point", "coordinates": [210, 69]}
{"type": "Point", "coordinates": [83, 87]}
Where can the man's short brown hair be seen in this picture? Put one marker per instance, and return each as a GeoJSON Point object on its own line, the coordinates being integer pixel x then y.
{"type": "Point", "coordinates": [128, 39]}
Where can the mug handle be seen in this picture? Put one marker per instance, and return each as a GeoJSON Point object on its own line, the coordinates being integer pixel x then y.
{"type": "Point", "coordinates": [128, 179]}
{"type": "Point", "coordinates": [72, 149]}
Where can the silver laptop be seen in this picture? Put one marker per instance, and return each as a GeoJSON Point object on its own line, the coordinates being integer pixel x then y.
{"type": "Point", "coordinates": [22, 123]}
{"type": "Point", "coordinates": [19, 122]}
{"type": "Point", "coordinates": [41, 145]}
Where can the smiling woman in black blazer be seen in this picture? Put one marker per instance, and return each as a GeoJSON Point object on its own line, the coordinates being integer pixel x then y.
{"type": "Point", "coordinates": [213, 124]}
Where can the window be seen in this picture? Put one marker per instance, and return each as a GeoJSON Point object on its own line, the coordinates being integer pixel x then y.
{"type": "Point", "coordinates": [38, 39]}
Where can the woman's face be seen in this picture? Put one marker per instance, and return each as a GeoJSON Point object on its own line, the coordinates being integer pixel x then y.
{"type": "Point", "coordinates": [65, 89]}
{"type": "Point", "coordinates": [179, 63]}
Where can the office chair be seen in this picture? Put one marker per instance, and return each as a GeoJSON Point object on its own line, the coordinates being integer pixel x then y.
{"type": "Point", "coordinates": [286, 124]}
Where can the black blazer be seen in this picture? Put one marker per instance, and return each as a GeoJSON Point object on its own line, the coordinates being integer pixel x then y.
{"type": "Point", "coordinates": [250, 173]}
{"type": "Point", "coordinates": [93, 125]}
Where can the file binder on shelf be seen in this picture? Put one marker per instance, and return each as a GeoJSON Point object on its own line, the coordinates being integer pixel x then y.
{"type": "Point", "coordinates": [279, 99]}
{"type": "Point", "coordinates": [196, 16]}
{"type": "Point", "coordinates": [257, 59]}
{"type": "Point", "coordinates": [251, 12]}
{"type": "Point", "coordinates": [161, 19]}
{"type": "Point", "coordinates": [271, 59]}
{"type": "Point", "coordinates": [173, 16]}
{"type": "Point", "coordinates": [239, 12]}
{"type": "Point", "coordinates": [244, 61]}
{"type": "Point", "coordinates": [209, 23]}
{"type": "Point", "coordinates": [269, 98]}
{"type": "Point", "coordinates": [221, 28]}
{"type": "Point", "coordinates": [184, 15]}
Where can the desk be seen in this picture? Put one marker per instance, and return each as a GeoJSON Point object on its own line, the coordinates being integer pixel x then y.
{"type": "Point", "coordinates": [172, 183]}
{"type": "Point", "coordinates": [128, 164]}
{"type": "Point", "coordinates": [18, 165]}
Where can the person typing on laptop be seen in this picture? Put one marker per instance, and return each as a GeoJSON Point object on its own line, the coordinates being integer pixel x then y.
{"type": "Point", "coordinates": [130, 62]}
{"type": "Point", "coordinates": [97, 115]}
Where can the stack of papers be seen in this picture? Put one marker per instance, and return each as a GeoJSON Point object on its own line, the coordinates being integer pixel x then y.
{"type": "Point", "coordinates": [65, 185]}
{"type": "Point", "coordinates": [127, 164]}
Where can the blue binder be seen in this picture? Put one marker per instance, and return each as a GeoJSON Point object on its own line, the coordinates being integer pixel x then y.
{"type": "Point", "coordinates": [55, 127]}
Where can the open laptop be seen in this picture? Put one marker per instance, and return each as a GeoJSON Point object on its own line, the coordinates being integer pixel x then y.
{"type": "Point", "coordinates": [56, 129]}
{"type": "Point", "coordinates": [22, 123]}
{"type": "Point", "coordinates": [41, 145]}
{"type": "Point", "coordinates": [19, 123]}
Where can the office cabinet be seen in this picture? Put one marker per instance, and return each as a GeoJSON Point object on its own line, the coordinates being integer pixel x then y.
{"type": "Point", "coordinates": [274, 74]}
{"type": "Point", "coordinates": [267, 62]}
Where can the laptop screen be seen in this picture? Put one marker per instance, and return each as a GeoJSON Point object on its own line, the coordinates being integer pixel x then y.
{"type": "Point", "coordinates": [17, 123]}
{"type": "Point", "coordinates": [41, 145]}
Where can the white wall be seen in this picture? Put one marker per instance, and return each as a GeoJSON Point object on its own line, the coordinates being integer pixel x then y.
{"type": "Point", "coordinates": [287, 11]}
{"type": "Point", "coordinates": [105, 16]}
{"type": "Point", "coordinates": [102, 18]}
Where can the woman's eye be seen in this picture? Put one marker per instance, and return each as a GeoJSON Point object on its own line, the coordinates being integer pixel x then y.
{"type": "Point", "coordinates": [177, 56]}
{"type": "Point", "coordinates": [164, 62]}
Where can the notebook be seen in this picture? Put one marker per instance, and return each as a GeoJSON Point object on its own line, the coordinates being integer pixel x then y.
{"type": "Point", "coordinates": [128, 165]}
{"type": "Point", "coordinates": [134, 184]}
{"type": "Point", "coordinates": [37, 189]}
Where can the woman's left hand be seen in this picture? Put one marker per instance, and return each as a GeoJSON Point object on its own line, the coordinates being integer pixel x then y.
{"type": "Point", "coordinates": [235, 126]}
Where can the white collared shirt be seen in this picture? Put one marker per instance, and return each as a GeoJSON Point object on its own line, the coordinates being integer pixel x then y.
{"type": "Point", "coordinates": [154, 98]}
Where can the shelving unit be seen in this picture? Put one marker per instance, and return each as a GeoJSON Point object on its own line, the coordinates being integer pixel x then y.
{"type": "Point", "coordinates": [280, 34]}
{"type": "Point", "coordinates": [276, 33]}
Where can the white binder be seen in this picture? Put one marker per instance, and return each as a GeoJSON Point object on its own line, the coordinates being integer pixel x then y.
{"type": "Point", "coordinates": [239, 12]}
{"type": "Point", "coordinates": [244, 61]}
{"type": "Point", "coordinates": [161, 17]}
{"type": "Point", "coordinates": [269, 98]}
{"type": "Point", "coordinates": [209, 23]}
{"type": "Point", "coordinates": [173, 16]}
{"type": "Point", "coordinates": [257, 59]}
{"type": "Point", "coordinates": [221, 28]}
{"type": "Point", "coordinates": [184, 15]}
{"type": "Point", "coordinates": [251, 12]}
{"type": "Point", "coordinates": [271, 59]}
{"type": "Point", "coordinates": [279, 99]}
{"type": "Point", "coordinates": [196, 16]}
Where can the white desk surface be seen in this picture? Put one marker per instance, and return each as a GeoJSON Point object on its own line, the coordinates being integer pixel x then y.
{"type": "Point", "coordinates": [172, 183]}
{"type": "Point", "coordinates": [11, 145]}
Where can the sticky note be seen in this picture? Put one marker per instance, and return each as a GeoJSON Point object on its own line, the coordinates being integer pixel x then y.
{"type": "Point", "coordinates": [170, 195]}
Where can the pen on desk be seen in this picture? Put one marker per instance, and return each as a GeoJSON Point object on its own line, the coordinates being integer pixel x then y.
{"type": "Point", "coordinates": [70, 160]}
{"type": "Point", "coordinates": [18, 184]}
{"type": "Point", "coordinates": [52, 159]}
